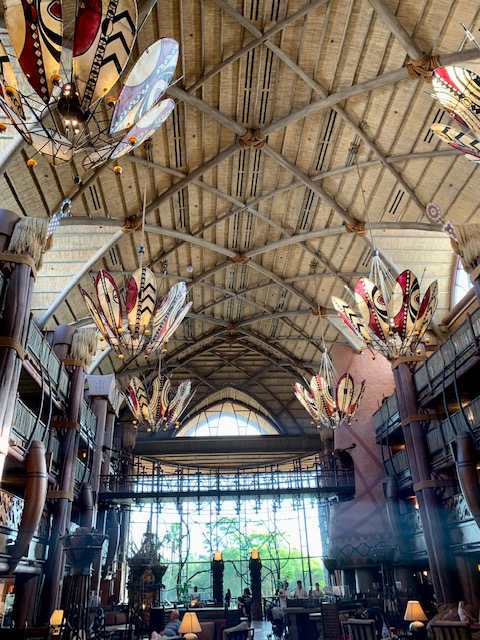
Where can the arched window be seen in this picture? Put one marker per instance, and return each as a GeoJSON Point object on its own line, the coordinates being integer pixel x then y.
{"type": "Point", "coordinates": [461, 283]}
{"type": "Point", "coordinates": [227, 418]}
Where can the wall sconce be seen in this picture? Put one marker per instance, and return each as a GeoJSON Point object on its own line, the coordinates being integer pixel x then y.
{"type": "Point", "coordinates": [254, 554]}
{"type": "Point", "coordinates": [56, 621]}
{"type": "Point", "coordinates": [217, 555]}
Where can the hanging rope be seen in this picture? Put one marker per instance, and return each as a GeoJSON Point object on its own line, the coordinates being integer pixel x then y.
{"type": "Point", "coordinates": [141, 248]}
{"type": "Point", "coordinates": [354, 149]}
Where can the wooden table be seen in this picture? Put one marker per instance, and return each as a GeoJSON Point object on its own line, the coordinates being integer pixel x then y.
{"type": "Point", "coordinates": [300, 625]}
{"type": "Point", "coordinates": [317, 619]}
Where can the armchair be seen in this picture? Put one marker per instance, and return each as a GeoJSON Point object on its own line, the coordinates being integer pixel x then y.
{"type": "Point", "coordinates": [450, 630]}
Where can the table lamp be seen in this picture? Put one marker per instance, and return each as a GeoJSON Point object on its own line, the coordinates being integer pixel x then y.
{"type": "Point", "coordinates": [190, 626]}
{"type": "Point", "coordinates": [416, 616]}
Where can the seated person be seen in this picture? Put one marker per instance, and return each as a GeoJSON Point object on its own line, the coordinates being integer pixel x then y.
{"type": "Point", "coordinates": [244, 604]}
{"type": "Point", "coordinates": [196, 596]}
{"type": "Point", "coordinates": [172, 626]}
{"type": "Point", "coordinates": [360, 613]}
{"type": "Point", "coordinates": [317, 592]}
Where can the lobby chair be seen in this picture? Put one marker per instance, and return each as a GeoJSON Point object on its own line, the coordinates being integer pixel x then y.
{"type": "Point", "coordinates": [238, 634]}
{"type": "Point", "coordinates": [361, 629]}
{"type": "Point", "coordinates": [451, 630]}
{"type": "Point", "coordinates": [331, 627]}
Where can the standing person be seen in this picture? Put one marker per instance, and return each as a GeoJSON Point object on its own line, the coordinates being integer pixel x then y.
{"type": "Point", "coordinates": [317, 592]}
{"type": "Point", "coordinates": [283, 596]}
{"type": "Point", "coordinates": [228, 598]}
{"type": "Point", "coordinates": [300, 592]}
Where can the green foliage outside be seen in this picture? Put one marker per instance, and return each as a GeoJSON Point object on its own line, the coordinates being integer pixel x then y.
{"type": "Point", "coordinates": [281, 559]}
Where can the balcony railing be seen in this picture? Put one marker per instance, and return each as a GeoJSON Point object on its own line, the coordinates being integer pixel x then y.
{"type": "Point", "coordinates": [88, 422]}
{"type": "Point", "coordinates": [386, 419]}
{"type": "Point", "coordinates": [43, 358]}
{"type": "Point", "coordinates": [156, 484]}
{"type": "Point", "coordinates": [26, 427]}
{"type": "Point", "coordinates": [450, 356]}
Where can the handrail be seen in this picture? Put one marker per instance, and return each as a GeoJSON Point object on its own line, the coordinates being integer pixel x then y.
{"type": "Point", "coordinates": [214, 483]}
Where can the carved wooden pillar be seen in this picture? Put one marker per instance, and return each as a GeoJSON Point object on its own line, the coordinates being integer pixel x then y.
{"type": "Point", "coordinates": [22, 243]}
{"type": "Point", "coordinates": [440, 559]}
{"type": "Point", "coordinates": [71, 343]}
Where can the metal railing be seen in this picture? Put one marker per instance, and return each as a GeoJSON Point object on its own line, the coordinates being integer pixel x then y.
{"type": "Point", "coordinates": [450, 356]}
{"type": "Point", "coordinates": [155, 483]}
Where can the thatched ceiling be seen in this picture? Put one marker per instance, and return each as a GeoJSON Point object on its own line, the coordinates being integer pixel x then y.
{"type": "Point", "coordinates": [259, 234]}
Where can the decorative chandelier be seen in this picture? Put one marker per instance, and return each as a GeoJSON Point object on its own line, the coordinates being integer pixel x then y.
{"type": "Point", "coordinates": [330, 401]}
{"type": "Point", "coordinates": [391, 318]}
{"type": "Point", "coordinates": [390, 321]}
{"type": "Point", "coordinates": [67, 111]}
{"type": "Point", "coordinates": [142, 322]}
{"type": "Point", "coordinates": [158, 410]}
{"type": "Point", "coordinates": [458, 90]}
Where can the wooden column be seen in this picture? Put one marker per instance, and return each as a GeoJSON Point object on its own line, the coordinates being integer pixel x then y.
{"type": "Point", "coordinates": [20, 256]}
{"type": "Point", "coordinates": [68, 432]}
{"type": "Point", "coordinates": [440, 559]}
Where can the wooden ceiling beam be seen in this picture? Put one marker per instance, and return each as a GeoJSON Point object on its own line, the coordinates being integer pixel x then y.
{"type": "Point", "coordinates": [319, 90]}
{"type": "Point", "coordinates": [276, 399]}
{"type": "Point", "coordinates": [236, 55]}
{"type": "Point", "coordinates": [396, 28]}
{"type": "Point", "coordinates": [392, 77]}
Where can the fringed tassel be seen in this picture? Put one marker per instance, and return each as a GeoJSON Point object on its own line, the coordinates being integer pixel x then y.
{"type": "Point", "coordinates": [30, 236]}
{"type": "Point", "coordinates": [84, 345]}
{"type": "Point", "coordinates": [468, 238]}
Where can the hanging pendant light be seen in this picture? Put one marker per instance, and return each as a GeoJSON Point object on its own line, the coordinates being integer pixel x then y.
{"type": "Point", "coordinates": [457, 89]}
{"type": "Point", "coordinates": [140, 322]}
{"type": "Point", "coordinates": [390, 323]}
{"type": "Point", "coordinates": [158, 410]}
{"type": "Point", "coordinates": [69, 111]}
{"type": "Point", "coordinates": [330, 401]}
{"type": "Point", "coordinates": [392, 318]}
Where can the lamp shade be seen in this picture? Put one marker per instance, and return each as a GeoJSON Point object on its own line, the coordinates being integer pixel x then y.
{"type": "Point", "coordinates": [190, 623]}
{"type": "Point", "coordinates": [414, 611]}
{"type": "Point", "coordinates": [217, 555]}
{"type": "Point", "coordinates": [254, 554]}
{"type": "Point", "coordinates": [56, 618]}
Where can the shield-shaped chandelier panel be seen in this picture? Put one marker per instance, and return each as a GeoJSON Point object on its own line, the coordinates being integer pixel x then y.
{"type": "Point", "coordinates": [330, 405]}
{"type": "Point", "coordinates": [158, 410]}
{"type": "Point", "coordinates": [141, 321]}
{"type": "Point", "coordinates": [390, 322]}
{"type": "Point", "coordinates": [458, 90]}
{"type": "Point", "coordinates": [68, 112]}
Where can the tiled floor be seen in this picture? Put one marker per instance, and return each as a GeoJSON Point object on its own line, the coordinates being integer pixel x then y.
{"type": "Point", "coordinates": [262, 629]}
